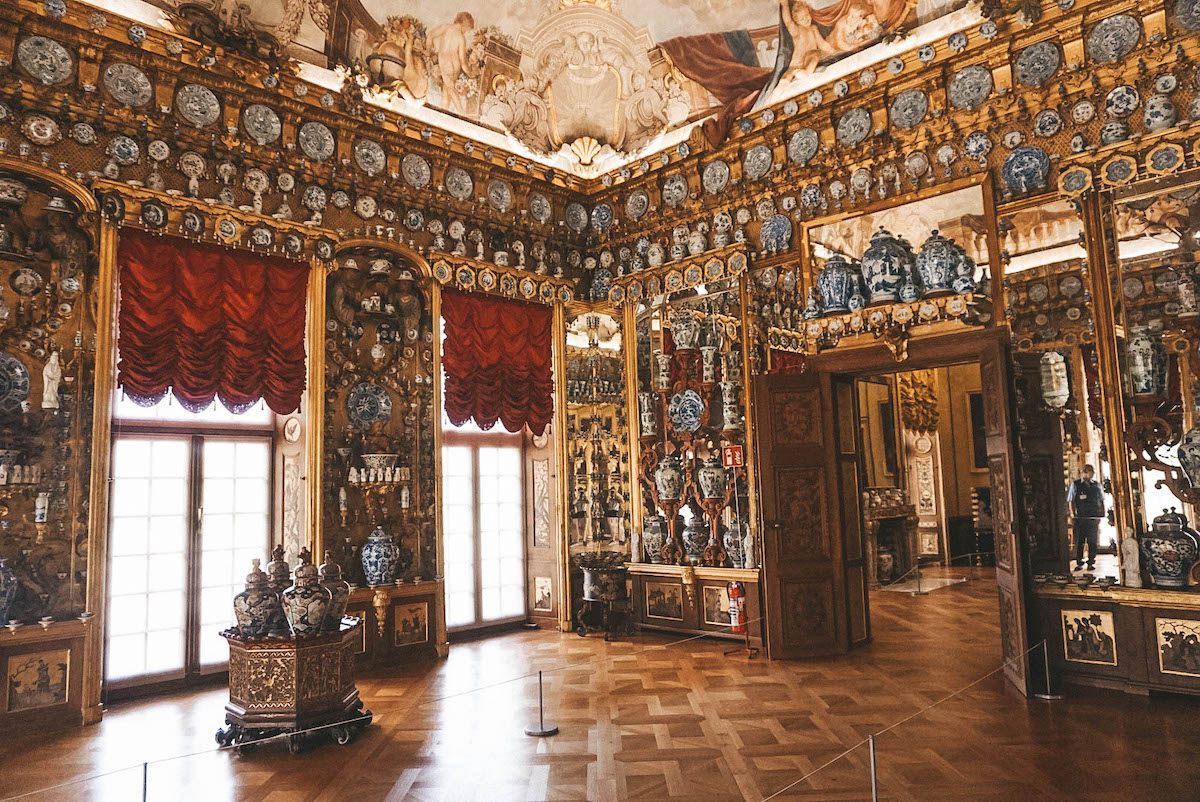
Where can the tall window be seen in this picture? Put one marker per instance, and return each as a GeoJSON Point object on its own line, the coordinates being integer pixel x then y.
{"type": "Point", "coordinates": [483, 527]}
{"type": "Point", "coordinates": [191, 507]}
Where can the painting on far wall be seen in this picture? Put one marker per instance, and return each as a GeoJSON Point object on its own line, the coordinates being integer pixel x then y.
{"type": "Point", "coordinates": [1089, 637]}
{"type": "Point", "coordinates": [716, 605]}
{"type": "Point", "coordinates": [37, 679]}
{"type": "Point", "coordinates": [412, 623]}
{"type": "Point", "coordinates": [1178, 646]}
{"type": "Point", "coordinates": [664, 600]}
{"type": "Point", "coordinates": [543, 594]}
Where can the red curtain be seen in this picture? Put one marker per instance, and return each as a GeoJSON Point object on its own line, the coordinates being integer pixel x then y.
{"type": "Point", "coordinates": [205, 322]}
{"type": "Point", "coordinates": [496, 356]}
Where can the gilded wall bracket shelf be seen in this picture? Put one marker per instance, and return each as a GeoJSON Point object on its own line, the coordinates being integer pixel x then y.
{"type": "Point", "coordinates": [681, 274]}
{"type": "Point", "coordinates": [471, 275]}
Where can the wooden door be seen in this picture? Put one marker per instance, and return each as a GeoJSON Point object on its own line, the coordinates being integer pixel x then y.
{"type": "Point", "coordinates": [815, 597]}
{"type": "Point", "coordinates": [998, 428]}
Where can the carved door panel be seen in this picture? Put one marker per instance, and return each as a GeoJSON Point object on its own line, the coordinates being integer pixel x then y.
{"type": "Point", "coordinates": [800, 476]}
{"type": "Point", "coordinates": [998, 422]}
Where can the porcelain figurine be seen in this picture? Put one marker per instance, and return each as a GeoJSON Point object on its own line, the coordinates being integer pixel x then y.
{"type": "Point", "coordinates": [256, 607]}
{"type": "Point", "coordinates": [668, 478]}
{"type": "Point", "coordinates": [695, 538]}
{"type": "Point", "coordinates": [306, 602]}
{"type": "Point", "coordinates": [812, 309]}
{"type": "Point", "coordinates": [8, 590]}
{"type": "Point", "coordinates": [653, 537]}
{"type": "Point", "coordinates": [711, 477]}
{"type": "Point", "coordinates": [836, 282]}
{"type": "Point", "coordinates": [883, 267]}
{"type": "Point", "coordinates": [379, 558]}
{"type": "Point", "coordinates": [646, 414]}
{"type": "Point", "coordinates": [1170, 548]}
{"type": "Point", "coordinates": [1056, 389]}
{"type": "Point", "coordinates": [938, 265]}
{"type": "Point", "coordinates": [1146, 363]}
{"type": "Point", "coordinates": [663, 378]}
{"type": "Point", "coordinates": [1185, 294]}
{"type": "Point", "coordinates": [750, 558]}
{"type": "Point", "coordinates": [339, 592]}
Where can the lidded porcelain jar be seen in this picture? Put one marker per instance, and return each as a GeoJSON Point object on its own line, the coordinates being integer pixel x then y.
{"type": "Point", "coordinates": [837, 281]}
{"type": "Point", "coordinates": [883, 267]}
{"type": "Point", "coordinates": [279, 573]}
{"type": "Point", "coordinates": [685, 330]}
{"type": "Point", "coordinates": [937, 265]}
{"type": "Point", "coordinates": [1056, 389]}
{"type": "Point", "coordinates": [695, 538]}
{"type": "Point", "coordinates": [379, 558]}
{"type": "Point", "coordinates": [733, 544]}
{"type": "Point", "coordinates": [964, 282]}
{"type": "Point", "coordinates": [1159, 114]}
{"type": "Point", "coordinates": [339, 592]}
{"type": "Point", "coordinates": [668, 478]}
{"type": "Point", "coordinates": [256, 607]}
{"type": "Point", "coordinates": [1170, 549]}
{"type": "Point", "coordinates": [1146, 363]}
{"type": "Point", "coordinates": [711, 477]}
{"type": "Point", "coordinates": [306, 602]}
{"type": "Point", "coordinates": [8, 590]}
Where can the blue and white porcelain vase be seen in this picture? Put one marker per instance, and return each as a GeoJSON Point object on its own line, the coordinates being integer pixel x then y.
{"type": "Point", "coordinates": [306, 602]}
{"type": "Point", "coordinates": [339, 592]}
{"type": "Point", "coordinates": [646, 414]}
{"type": "Point", "coordinates": [733, 544]}
{"type": "Point", "coordinates": [256, 608]}
{"type": "Point", "coordinates": [685, 330]}
{"type": "Point", "coordinates": [8, 590]}
{"type": "Point", "coordinates": [711, 477]}
{"type": "Point", "coordinates": [1159, 114]}
{"type": "Point", "coordinates": [883, 267]}
{"type": "Point", "coordinates": [1170, 549]}
{"type": "Point", "coordinates": [668, 478]}
{"type": "Point", "coordinates": [964, 282]}
{"type": "Point", "coordinates": [379, 558]}
{"type": "Point", "coordinates": [837, 281]}
{"type": "Point", "coordinates": [653, 537]}
{"type": "Point", "coordinates": [695, 538]}
{"type": "Point", "coordinates": [937, 266]}
{"type": "Point", "coordinates": [1146, 363]}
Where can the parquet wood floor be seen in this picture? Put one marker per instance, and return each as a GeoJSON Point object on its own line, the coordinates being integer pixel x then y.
{"type": "Point", "coordinates": [640, 721]}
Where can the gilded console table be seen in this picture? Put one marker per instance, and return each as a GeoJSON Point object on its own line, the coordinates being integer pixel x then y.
{"type": "Point", "coordinates": [302, 688]}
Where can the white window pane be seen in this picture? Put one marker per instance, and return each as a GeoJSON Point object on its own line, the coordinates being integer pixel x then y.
{"type": "Point", "coordinates": [242, 557]}
{"type": "Point", "coordinates": [131, 457]}
{"type": "Point", "coordinates": [218, 531]}
{"type": "Point", "coordinates": [458, 519]}
{"type": "Point", "coordinates": [214, 650]}
{"type": "Point", "coordinates": [253, 459]}
{"type": "Point", "coordinates": [250, 496]}
{"type": "Point", "coordinates": [456, 461]}
{"type": "Point", "coordinates": [164, 650]}
{"type": "Point", "coordinates": [127, 615]}
{"type": "Point", "coordinates": [166, 572]}
{"type": "Point", "coordinates": [512, 600]}
{"type": "Point", "coordinates": [126, 655]}
{"type": "Point", "coordinates": [165, 611]}
{"type": "Point", "coordinates": [487, 461]}
{"type": "Point", "coordinates": [219, 458]}
{"type": "Point", "coordinates": [489, 490]}
{"type": "Point", "coordinates": [129, 574]}
{"type": "Point", "coordinates": [250, 531]}
{"type": "Point", "coordinates": [459, 576]}
{"type": "Point", "coordinates": [129, 536]}
{"type": "Point", "coordinates": [461, 609]}
{"type": "Point", "coordinates": [168, 496]}
{"type": "Point", "coordinates": [167, 533]}
{"type": "Point", "coordinates": [218, 495]}
{"type": "Point", "coordinates": [216, 568]}
{"type": "Point", "coordinates": [491, 604]}
{"type": "Point", "coordinates": [489, 573]}
{"type": "Point", "coordinates": [512, 571]}
{"type": "Point", "coordinates": [512, 544]}
{"type": "Point", "coordinates": [216, 605]}
{"type": "Point", "coordinates": [169, 458]}
{"type": "Point", "coordinates": [130, 497]}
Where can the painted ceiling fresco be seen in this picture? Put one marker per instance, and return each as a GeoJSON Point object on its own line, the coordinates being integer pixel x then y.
{"type": "Point", "coordinates": [581, 78]}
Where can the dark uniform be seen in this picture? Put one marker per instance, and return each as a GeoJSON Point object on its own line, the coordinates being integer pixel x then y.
{"type": "Point", "coordinates": [1086, 499]}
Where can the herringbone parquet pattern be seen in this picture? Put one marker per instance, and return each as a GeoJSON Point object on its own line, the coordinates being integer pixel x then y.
{"type": "Point", "coordinates": [681, 722]}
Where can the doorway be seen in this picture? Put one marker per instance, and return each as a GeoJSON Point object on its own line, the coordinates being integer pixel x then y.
{"type": "Point", "coordinates": [813, 478]}
{"type": "Point", "coordinates": [483, 528]}
{"type": "Point", "coordinates": [190, 508]}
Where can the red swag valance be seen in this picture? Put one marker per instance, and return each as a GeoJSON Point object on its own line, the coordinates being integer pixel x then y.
{"type": "Point", "coordinates": [496, 356]}
{"type": "Point", "coordinates": [205, 321]}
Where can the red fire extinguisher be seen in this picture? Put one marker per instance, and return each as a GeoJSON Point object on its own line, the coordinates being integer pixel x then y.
{"type": "Point", "coordinates": [737, 607]}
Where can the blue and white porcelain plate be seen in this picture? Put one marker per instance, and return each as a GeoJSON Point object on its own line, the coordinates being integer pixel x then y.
{"type": "Point", "coordinates": [14, 382]}
{"type": "Point", "coordinates": [602, 217]}
{"type": "Point", "coordinates": [1036, 63]}
{"type": "Point", "coordinates": [977, 145]}
{"type": "Point", "coordinates": [368, 403]}
{"type": "Point", "coordinates": [803, 145]}
{"type": "Point", "coordinates": [1047, 123]}
{"type": "Point", "coordinates": [1122, 101]}
{"type": "Point", "coordinates": [1026, 169]}
{"type": "Point", "coordinates": [685, 410]}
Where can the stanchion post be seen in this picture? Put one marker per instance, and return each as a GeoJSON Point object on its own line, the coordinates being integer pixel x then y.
{"type": "Point", "coordinates": [541, 729]}
{"type": "Point", "coordinates": [145, 775]}
{"type": "Point", "coordinates": [1049, 695]}
{"type": "Point", "coordinates": [918, 591]}
{"type": "Point", "coordinates": [874, 781]}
